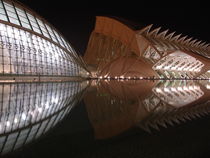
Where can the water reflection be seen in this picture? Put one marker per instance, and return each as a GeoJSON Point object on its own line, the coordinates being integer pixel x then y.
{"type": "Point", "coordinates": [29, 110]}
{"type": "Point", "coordinates": [115, 106]}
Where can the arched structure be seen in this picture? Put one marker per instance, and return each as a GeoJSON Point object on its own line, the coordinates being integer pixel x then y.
{"type": "Point", "coordinates": [30, 46]}
{"type": "Point", "coordinates": [115, 49]}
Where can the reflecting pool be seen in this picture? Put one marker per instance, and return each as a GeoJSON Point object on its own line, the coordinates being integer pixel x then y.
{"type": "Point", "coordinates": [105, 118]}
{"type": "Point", "coordinates": [29, 110]}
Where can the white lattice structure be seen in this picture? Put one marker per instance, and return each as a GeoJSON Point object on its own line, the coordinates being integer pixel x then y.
{"type": "Point", "coordinates": [30, 46]}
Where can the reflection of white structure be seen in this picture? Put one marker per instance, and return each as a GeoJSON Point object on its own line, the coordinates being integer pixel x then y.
{"type": "Point", "coordinates": [31, 46]}
{"type": "Point", "coordinates": [179, 95]}
{"type": "Point", "coordinates": [27, 111]}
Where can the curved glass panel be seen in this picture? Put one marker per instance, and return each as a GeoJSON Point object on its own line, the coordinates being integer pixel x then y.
{"type": "Point", "coordinates": [30, 46]}
{"type": "Point", "coordinates": [17, 14]}
{"type": "Point", "coordinates": [24, 53]}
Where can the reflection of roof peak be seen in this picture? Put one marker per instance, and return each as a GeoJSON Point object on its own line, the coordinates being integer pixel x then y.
{"type": "Point", "coordinates": [174, 116]}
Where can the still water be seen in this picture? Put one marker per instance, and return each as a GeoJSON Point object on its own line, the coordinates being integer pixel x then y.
{"type": "Point", "coordinates": [101, 118]}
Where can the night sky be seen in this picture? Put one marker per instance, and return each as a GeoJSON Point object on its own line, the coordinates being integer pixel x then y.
{"type": "Point", "coordinates": [75, 19]}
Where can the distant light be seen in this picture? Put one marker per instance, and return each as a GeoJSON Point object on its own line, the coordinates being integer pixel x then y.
{"type": "Point", "coordinates": [179, 88]}
{"type": "Point", "coordinates": [24, 116]}
{"type": "Point", "coordinates": [158, 90]}
{"type": "Point", "coordinates": [55, 100]}
{"type": "Point", "coordinates": [47, 105]}
{"type": "Point", "coordinates": [15, 120]}
{"type": "Point", "coordinates": [208, 86]}
{"type": "Point", "coordinates": [121, 77]}
{"type": "Point", "coordinates": [173, 89]}
{"type": "Point", "coordinates": [40, 110]}
{"type": "Point", "coordinates": [191, 88]}
{"type": "Point", "coordinates": [185, 88]}
{"type": "Point", "coordinates": [7, 123]}
{"type": "Point", "coordinates": [166, 89]}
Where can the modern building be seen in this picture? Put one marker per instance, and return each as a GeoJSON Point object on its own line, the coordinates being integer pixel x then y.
{"type": "Point", "coordinates": [117, 50]}
{"type": "Point", "coordinates": [31, 47]}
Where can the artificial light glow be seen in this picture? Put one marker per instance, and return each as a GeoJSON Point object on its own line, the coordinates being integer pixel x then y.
{"type": "Point", "coordinates": [179, 88]}
{"type": "Point", "coordinates": [47, 105]}
{"type": "Point", "coordinates": [7, 123]}
{"type": "Point", "coordinates": [15, 120]}
{"type": "Point", "coordinates": [55, 100]}
{"type": "Point", "coordinates": [40, 109]}
{"type": "Point", "coordinates": [24, 116]}
{"type": "Point", "coordinates": [173, 89]}
{"type": "Point", "coordinates": [207, 86]}
{"type": "Point", "coordinates": [191, 88]}
{"type": "Point", "coordinates": [121, 77]}
{"type": "Point", "coordinates": [158, 90]}
{"type": "Point", "coordinates": [158, 67]}
{"type": "Point", "coordinates": [185, 88]}
{"type": "Point", "coordinates": [166, 89]}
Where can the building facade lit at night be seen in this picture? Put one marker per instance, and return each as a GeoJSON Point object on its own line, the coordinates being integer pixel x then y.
{"type": "Point", "coordinates": [116, 50]}
{"type": "Point", "coordinates": [30, 46]}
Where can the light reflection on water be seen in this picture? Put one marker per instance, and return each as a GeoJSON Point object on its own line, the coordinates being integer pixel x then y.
{"type": "Point", "coordinates": [114, 107]}
{"type": "Point", "coordinates": [29, 110]}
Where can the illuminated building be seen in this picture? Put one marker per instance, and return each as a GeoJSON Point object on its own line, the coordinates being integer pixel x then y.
{"type": "Point", "coordinates": [116, 50]}
{"type": "Point", "coordinates": [31, 47]}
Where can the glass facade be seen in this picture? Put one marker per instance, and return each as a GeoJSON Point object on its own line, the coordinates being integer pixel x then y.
{"type": "Point", "coordinates": [30, 46]}
{"type": "Point", "coordinates": [27, 111]}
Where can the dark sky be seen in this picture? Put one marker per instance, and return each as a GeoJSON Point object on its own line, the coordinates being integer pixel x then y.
{"type": "Point", "coordinates": [75, 19]}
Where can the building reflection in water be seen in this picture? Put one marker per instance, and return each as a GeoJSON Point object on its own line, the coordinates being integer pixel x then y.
{"type": "Point", "coordinates": [114, 107]}
{"type": "Point", "coordinates": [29, 110]}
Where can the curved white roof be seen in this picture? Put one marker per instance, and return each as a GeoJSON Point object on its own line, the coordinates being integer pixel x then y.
{"type": "Point", "coordinates": [16, 14]}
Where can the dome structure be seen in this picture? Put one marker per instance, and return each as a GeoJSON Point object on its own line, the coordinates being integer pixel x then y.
{"type": "Point", "coordinates": [30, 46]}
